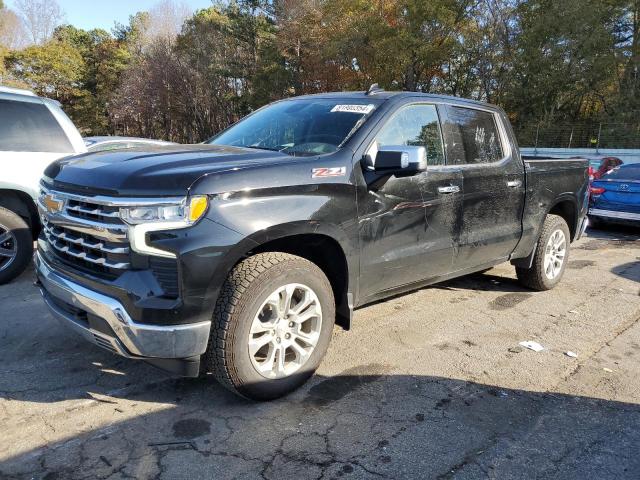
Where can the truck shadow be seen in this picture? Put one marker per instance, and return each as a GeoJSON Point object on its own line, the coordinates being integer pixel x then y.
{"type": "Point", "coordinates": [70, 410]}
{"type": "Point", "coordinates": [363, 423]}
{"type": "Point", "coordinates": [614, 232]}
{"type": "Point", "coordinates": [484, 282]}
{"type": "Point", "coordinates": [630, 271]}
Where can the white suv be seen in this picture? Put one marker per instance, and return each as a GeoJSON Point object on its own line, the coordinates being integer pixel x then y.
{"type": "Point", "coordinates": [34, 132]}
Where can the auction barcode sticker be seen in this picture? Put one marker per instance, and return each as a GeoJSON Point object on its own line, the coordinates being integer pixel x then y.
{"type": "Point", "coordinates": [363, 109]}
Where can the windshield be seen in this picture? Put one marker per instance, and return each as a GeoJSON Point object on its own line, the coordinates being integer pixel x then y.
{"type": "Point", "coordinates": [299, 127]}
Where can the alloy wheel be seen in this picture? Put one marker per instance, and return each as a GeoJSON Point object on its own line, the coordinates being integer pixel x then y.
{"type": "Point", "coordinates": [285, 331]}
{"type": "Point", "coordinates": [554, 254]}
{"type": "Point", "coordinates": [8, 247]}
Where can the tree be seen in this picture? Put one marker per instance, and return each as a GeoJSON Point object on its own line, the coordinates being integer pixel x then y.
{"type": "Point", "coordinates": [626, 105]}
{"type": "Point", "coordinates": [12, 33]}
{"type": "Point", "coordinates": [53, 70]}
{"type": "Point", "coordinates": [40, 18]}
{"type": "Point", "coordinates": [180, 76]}
{"type": "Point", "coordinates": [105, 58]}
{"type": "Point", "coordinates": [223, 64]}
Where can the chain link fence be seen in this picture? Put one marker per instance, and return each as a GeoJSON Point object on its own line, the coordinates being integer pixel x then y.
{"type": "Point", "coordinates": [579, 135]}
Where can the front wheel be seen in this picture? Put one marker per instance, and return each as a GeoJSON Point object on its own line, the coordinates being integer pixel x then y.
{"type": "Point", "coordinates": [16, 245]}
{"type": "Point", "coordinates": [551, 257]}
{"type": "Point", "coordinates": [271, 327]}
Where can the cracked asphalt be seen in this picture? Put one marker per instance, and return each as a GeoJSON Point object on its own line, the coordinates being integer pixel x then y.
{"type": "Point", "coordinates": [432, 384]}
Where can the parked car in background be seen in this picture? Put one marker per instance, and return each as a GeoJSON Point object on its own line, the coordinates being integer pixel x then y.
{"type": "Point", "coordinates": [598, 166]}
{"type": "Point", "coordinates": [100, 144]}
{"type": "Point", "coordinates": [236, 257]}
{"type": "Point", "coordinates": [34, 132]}
{"type": "Point", "coordinates": [615, 198]}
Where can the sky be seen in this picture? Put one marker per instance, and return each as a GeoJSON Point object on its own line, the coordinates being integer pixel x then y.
{"type": "Point", "coordinates": [88, 14]}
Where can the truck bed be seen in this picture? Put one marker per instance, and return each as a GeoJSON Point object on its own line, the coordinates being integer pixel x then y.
{"type": "Point", "coordinates": [549, 180]}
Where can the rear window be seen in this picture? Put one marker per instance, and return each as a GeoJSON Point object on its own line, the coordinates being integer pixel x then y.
{"type": "Point", "coordinates": [626, 172]}
{"type": "Point", "coordinates": [474, 137]}
{"type": "Point", "coordinates": [30, 127]}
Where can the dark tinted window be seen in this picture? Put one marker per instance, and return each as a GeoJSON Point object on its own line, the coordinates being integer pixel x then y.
{"type": "Point", "coordinates": [415, 125]}
{"type": "Point", "coordinates": [474, 137]}
{"type": "Point", "coordinates": [30, 127]}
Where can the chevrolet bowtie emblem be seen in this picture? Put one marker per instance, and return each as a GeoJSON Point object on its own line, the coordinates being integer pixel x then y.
{"type": "Point", "coordinates": [52, 204]}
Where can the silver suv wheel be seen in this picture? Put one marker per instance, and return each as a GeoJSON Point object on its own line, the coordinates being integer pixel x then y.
{"type": "Point", "coordinates": [8, 247]}
{"type": "Point", "coordinates": [285, 331]}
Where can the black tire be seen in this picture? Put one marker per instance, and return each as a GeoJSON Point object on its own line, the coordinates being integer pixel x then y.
{"type": "Point", "coordinates": [535, 277]}
{"type": "Point", "coordinates": [243, 293]}
{"type": "Point", "coordinates": [21, 239]}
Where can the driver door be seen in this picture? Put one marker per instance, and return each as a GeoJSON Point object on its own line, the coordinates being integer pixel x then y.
{"type": "Point", "coordinates": [409, 226]}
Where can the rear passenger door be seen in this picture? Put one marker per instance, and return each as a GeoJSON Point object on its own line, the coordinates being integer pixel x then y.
{"type": "Point", "coordinates": [493, 194]}
{"type": "Point", "coordinates": [408, 225]}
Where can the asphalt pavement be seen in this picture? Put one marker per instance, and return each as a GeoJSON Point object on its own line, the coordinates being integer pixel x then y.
{"type": "Point", "coordinates": [432, 384]}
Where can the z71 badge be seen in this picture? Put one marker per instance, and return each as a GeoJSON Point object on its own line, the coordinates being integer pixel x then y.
{"type": "Point", "coordinates": [328, 172]}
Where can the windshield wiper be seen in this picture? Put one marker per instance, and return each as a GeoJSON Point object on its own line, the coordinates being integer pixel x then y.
{"type": "Point", "coordinates": [255, 147]}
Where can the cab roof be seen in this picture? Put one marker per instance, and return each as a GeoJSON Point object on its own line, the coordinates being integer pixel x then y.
{"type": "Point", "coordinates": [385, 95]}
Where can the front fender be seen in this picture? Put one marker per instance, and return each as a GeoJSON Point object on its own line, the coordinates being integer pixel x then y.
{"type": "Point", "coordinates": [263, 217]}
{"type": "Point", "coordinates": [240, 222]}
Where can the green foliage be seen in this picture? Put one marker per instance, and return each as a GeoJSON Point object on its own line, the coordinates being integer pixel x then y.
{"type": "Point", "coordinates": [54, 69]}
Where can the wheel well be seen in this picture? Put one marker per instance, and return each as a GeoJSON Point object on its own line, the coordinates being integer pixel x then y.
{"type": "Point", "coordinates": [566, 210]}
{"type": "Point", "coordinates": [327, 254]}
{"type": "Point", "coordinates": [22, 204]}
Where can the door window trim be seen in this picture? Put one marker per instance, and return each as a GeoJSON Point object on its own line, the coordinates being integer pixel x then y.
{"type": "Point", "coordinates": [507, 151]}
{"type": "Point", "coordinates": [440, 104]}
{"type": "Point", "coordinates": [384, 122]}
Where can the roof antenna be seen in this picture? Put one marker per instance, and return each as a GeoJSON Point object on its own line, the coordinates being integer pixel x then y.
{"type": "Point", "coordinates": [373, 89]}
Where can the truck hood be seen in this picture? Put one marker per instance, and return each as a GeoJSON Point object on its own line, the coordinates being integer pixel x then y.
{"type": "Point", "coordinates": [154, 171]}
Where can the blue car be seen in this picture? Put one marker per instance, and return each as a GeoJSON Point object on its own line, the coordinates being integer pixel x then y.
{"type": "Point", "coordinates": [615, 197]}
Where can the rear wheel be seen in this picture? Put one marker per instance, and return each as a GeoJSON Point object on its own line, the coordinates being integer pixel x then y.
{"type": "Point", "coordinates": [16, 245]}
{"type": "Point", "coordinates": [551, 257]}
{"type": "Point", "coordinates": [272, 325]}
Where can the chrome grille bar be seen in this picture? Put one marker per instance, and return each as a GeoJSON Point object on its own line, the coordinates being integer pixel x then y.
{"type": "Point", "coordinates": [98, 245]}
{"type": "Point", "coordinates": [85, 256]}
{"type": "Point", "coordinates": [93, 211]}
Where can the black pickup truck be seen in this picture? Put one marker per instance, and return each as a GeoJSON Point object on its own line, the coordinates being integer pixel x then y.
{"type": "Point", "coordinates": [237, 257]}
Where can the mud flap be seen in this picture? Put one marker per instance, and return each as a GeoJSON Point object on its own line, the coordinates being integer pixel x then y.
{"type": "Point", "coordinates": [525, 262]}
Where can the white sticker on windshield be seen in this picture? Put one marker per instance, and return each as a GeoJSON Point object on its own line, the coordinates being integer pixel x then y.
{"type": "Point", "coordinates": [363, 109]}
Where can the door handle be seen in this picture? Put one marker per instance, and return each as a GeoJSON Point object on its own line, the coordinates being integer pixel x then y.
{"type": "Point", "coordinates": [449, 189]}
{"type": "Point", "coordinates": [514, 183]}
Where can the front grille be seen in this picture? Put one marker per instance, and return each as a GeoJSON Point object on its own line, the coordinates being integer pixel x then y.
{"type": "Point", "coordinates": [90, 236]}
{"type": "Point", "coordinates": [94, 212]}
{"type": "Point", "coordinates": [87, 249]}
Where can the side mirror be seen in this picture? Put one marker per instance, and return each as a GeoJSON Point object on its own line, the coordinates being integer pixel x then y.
{"type": "Point", "coordinates": [400, 160]}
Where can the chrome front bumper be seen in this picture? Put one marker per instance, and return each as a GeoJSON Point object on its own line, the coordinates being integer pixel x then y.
{"type": "Point", "coordinates": [129, 339]}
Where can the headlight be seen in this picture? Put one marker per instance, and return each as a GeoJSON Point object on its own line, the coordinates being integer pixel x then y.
{"type": "Point", "coordinates": [144, 219]}
{"type": "Point", "coordinates": [187, 212]}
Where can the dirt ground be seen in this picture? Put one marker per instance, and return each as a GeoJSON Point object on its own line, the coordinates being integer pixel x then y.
{"type": "Point", "coordinates": [431, 384]}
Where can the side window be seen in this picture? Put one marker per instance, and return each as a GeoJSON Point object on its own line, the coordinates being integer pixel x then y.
{"type": "Point", "coordinates": [473, 137]}
{"type": "Point", "coordinates": [30, 127]}
{"type": "Point", "coordinates": [415, 125]}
